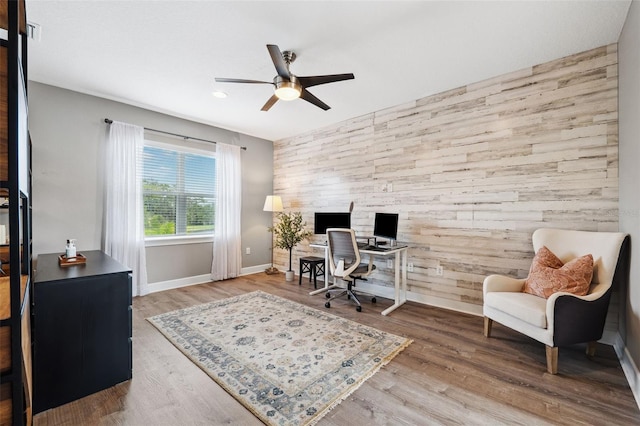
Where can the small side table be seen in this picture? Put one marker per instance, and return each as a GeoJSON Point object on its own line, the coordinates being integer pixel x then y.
{"type": "Point", "coordinates": [314, 265]}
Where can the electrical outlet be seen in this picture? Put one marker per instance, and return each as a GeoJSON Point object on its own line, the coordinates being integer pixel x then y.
{"type": "Point", "coordinates": [410, 267]}
{"type": "Point", "coordinates": [390, 263]}
{"type": "Point", "coordinates": [439, 270]}
{"type": "Point", "coordinates": [248, 250]}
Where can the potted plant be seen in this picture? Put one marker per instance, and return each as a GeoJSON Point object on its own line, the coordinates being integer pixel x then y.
{"type": "Point", "coordinates": [288, 232]}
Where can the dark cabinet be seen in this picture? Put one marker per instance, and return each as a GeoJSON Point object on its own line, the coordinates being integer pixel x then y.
{"type": "Point", "coordinates": [82, 328]}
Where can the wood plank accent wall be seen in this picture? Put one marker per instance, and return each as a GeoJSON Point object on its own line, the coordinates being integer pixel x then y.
{"type": "Point", "coordinates": [472, 172]}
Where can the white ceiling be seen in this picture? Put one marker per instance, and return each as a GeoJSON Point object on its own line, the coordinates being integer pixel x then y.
{"type": "Point", "coordinates": [164, 55]}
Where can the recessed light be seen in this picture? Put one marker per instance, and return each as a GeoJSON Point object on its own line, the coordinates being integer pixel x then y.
{"type": "Point", "coordinates": [219, 94]}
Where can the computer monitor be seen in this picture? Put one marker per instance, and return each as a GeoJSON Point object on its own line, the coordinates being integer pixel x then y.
{"type": "Point", "coordinates": [386, 226]}
{"type": "Point", "coordinates": [322, 221]}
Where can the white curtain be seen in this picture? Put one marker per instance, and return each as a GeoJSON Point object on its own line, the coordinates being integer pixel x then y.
{"type": "Point", "coordinates": [124, 215]}
{"type": "Point", "coordinates": [227, 252]}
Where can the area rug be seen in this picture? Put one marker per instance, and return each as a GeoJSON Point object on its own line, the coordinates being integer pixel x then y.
{"type": "Point", "coordinates": [287, 363]}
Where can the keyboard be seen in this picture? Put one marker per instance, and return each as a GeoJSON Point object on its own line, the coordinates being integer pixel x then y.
{"type": "Point", "coordinates": [376, 248]}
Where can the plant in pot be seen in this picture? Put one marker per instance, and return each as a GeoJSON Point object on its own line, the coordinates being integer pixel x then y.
{"type": "Point", "coordinates": [288, 232]}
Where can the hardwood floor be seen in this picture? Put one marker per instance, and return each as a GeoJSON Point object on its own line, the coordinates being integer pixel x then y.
{"type": "Point", "coordinates": [450, 374]}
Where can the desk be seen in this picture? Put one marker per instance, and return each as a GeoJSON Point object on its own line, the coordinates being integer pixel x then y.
{"type": "Point", "coordinates": [400, 284]}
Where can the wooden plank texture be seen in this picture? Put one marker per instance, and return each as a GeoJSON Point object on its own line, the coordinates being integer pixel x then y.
{"type": "Point", "coordinates": [5, 349]}
{"type": "Point", "coordinates": [472, 171]}
{"type": "Point", "coordinates": [5, 404]}
{"type": "Point", "coordinates": [4, 15]}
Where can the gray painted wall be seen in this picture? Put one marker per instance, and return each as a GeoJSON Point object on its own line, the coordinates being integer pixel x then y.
{"type": "Point", "coordinates": [67, 132]}
{"type": "Point", "coordinates": [629, 114]}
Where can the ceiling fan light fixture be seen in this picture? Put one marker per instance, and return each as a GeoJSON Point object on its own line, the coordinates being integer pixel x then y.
{"type": "Point", "coordinates": [288, 87]}
{"type": "Point", "coordinates": [287, 90]}
{"type": "Point", "coordinates": [287, 93]}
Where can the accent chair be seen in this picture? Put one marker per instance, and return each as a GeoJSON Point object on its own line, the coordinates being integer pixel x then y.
{"type": "Point", "coordinates": [563, 318]}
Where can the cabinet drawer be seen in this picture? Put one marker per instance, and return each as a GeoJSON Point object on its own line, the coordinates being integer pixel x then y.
{"type": "Point", "coordinates": [82, 338]}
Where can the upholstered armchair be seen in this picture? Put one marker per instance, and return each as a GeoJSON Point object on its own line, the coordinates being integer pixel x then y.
{"type": "Point", "coordinates": [563, 318]}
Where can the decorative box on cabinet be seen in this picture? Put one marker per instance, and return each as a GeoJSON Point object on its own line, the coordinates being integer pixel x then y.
{"type": "Point", "coordinates": [82, 328]}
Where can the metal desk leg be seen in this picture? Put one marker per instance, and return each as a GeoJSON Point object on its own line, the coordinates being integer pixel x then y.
{"type": "Point", "coordinates": [403, 294]}
{"type": "Point", "coordinates": [400, 288]}
{"type": "Point", "coordinates": [326, 276]}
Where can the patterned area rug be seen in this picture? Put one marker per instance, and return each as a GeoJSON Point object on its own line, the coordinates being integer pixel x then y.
{"type": "Point", "coordinates": [287, 363]}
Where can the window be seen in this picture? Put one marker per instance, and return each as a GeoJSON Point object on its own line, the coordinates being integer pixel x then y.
{"type": "Point", "coordinates": [178, 191]}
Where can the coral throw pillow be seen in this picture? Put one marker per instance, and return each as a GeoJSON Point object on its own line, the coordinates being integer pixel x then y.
{"type": "Point", "coordinates": [549, 275]}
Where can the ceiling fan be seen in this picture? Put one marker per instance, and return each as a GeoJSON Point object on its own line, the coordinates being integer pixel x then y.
{"type": "Point", "coordinates": [288, 86]}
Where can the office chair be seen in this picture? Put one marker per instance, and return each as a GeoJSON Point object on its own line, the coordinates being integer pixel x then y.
{"type": "Point", "coordinates": [344, 263]}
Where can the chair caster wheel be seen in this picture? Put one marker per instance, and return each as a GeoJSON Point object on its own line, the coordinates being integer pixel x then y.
{"type": "Point", "coordinates": [348, 297]}
{"type": "Point", "coordinates": [359, 308]}
{"type": "Point", "coordinates": [373, 300]}
{"type": "Point", "coordinates": [327, 295]}
{"type": "Point", "coordinates": [327, 305]}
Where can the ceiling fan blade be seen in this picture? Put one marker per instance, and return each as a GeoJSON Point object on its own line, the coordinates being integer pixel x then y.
{"type": "Point", "coordinates": [307, 96]}
{"type": "Point", "coordinates": [240, 80]}
{"type": "Point", "coordinates": [324, 79]}
{"type": "Point", "coordinates": [272, 100]}
{"type": "Point", "coordinates": [278, 61]}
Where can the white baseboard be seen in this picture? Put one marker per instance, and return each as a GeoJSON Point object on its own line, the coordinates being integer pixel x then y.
{"type": "Point", "coordinates": [452, 305]}
{"type": "Point", "coordinates": [198, 279]}
{"type": "Point", "coordinates": [609, 337]}
{"type": "Point", "coordinates": [254, 269]}
{"type": "Point", "coordinates": [389, 293]}
{"type": "Point", "coordinates": [629, 367]}
{"type": "Point", "coordinates": [180, 282]}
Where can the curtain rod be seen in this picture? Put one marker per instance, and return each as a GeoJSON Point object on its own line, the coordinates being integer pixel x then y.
{"type": "Point", "coordinates": [109, 121]}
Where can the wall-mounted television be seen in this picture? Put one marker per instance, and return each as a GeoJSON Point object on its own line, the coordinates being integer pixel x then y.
{"type": "Point", "coordinates": [386, 225]}
{"type": "Point", "coordinates": [322, 221]}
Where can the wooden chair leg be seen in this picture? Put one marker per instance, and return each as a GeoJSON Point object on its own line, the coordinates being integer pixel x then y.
{"type": "Point", "coordinates": [314, 272]}
{"type": "Point", "coordinates": [488, 322]}
{"type": "Point", "coordinates": [591, 348]}
{"type": "Point", "coordinates": [552, 359]}
{"type": "Point", "coordinates": [300, 274]}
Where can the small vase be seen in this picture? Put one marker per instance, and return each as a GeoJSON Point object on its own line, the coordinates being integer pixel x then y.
{"type": "Point", "coordinates": [288, 275]}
